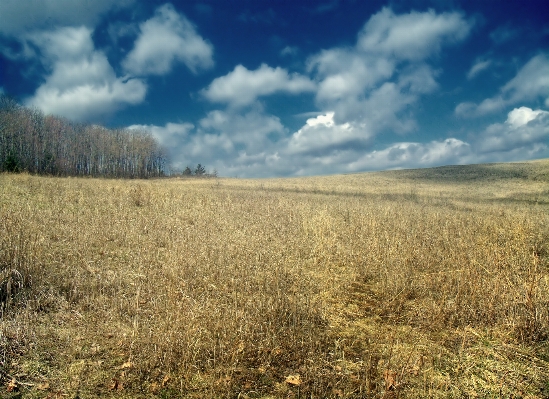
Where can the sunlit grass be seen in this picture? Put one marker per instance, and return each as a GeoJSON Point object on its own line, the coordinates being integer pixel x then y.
{"type": "Point", "coordinates": [425, 283]}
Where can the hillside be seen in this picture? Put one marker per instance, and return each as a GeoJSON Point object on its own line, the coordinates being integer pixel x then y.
{"type": "Point", "coordinates": [409, 284]}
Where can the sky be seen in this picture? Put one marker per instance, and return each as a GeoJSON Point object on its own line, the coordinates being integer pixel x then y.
{"type": "Point", "coordinates": [257, 88]}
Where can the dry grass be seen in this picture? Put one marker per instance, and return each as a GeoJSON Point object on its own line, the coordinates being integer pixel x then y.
{"type": "Point", "coordinates": [411, 284]}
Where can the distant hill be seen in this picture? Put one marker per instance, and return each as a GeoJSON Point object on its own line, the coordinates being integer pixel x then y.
{"type": "Point", "coordinates": [537, 170]}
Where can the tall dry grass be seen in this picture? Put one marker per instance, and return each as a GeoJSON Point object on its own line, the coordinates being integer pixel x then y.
{"type": "Point", "coordinates": [399, 284]}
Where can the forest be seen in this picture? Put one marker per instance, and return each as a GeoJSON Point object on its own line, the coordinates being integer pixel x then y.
{"type": "Point", "coordinates": [44, 144]}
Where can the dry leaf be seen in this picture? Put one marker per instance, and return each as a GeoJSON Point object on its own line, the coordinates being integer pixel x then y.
{"type": "Point", "coordinates": [240, 347]}
{"type": "Point", "coordinates": [116, 385]}
{"type": "Point", "coordinates": [224, 380]}
{"type": "Point", "coordinates": [44, 386]}
{"type": "Point", "coordinates": [165, 380]}
{"type": "Point", "coordinates": [154, 388]}
{"type": "Point", "coordinates": [12, 385]}
{"type": "Point", "coordinates": [127, 365]}
{"type": "Point", "coordinates": [294, 379]}
{"type": "Point", "coordinates": [390, 380]}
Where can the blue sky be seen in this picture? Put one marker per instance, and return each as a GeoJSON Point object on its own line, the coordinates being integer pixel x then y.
{"type": "Point", "coordinates": [258, 88]}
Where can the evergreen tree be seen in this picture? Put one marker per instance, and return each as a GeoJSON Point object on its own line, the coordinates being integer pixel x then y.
{"type": "Point", "coordinates": [200, 170]}
{"type": "Point", "coordinates": [187, 172]}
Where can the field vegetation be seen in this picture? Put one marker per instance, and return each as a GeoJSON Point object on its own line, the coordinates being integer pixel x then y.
{"type": "Point", "coordinates": [428, 283]}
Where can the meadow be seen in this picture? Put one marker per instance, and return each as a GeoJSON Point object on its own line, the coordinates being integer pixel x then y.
{"type": "Point", "coordinates": [429, 283]}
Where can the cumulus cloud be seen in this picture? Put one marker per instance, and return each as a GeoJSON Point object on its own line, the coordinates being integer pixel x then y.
{"type": "Point", "coordinates": [524, 135]}
{"type": "Point", "coordinates": [386, 72]}
{"type": "Point", "coordinates": [169, 135]}
{"type": "Point", "coordinates": [82, 85]}
{"type": "Point", "coordinates": [529, 84]}
{"type": "Point", "coordinates": [412, 36]}
{"type": "Point", "coordinates": [255, 144]}
{"type": "Point", "coordinates": [322, 135]}
{"type": "Point", "coordinates": [242, 87]}
{"type": "Point", "coordinates": [414, 155]}
{"type": "Point", "coordinates": [344, 73]}
{"type": "Point", "coordinates": [166, 38]}
{"type": "Point", "coordinates": [361, 91]}
{"type": "Point", "coordinates": [525, 130]}
{"type": "Point", "coordinates": [531, 81]}
{"type": "Point", "coordinates": [252, 132]}
{"type": "Point", "coordinates": [20, 16]}
{"type": "Point", "coordinates": [234, 143]}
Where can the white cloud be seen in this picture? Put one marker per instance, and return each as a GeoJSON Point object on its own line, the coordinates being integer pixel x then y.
{"type": "Point", "coordinates": [164, 39]}
{"type": "Point", "coordinates": [170, 135]}
{"type": "Point", "coordinates": [529, 84]}
{"type": "Point", "coordinates": [378, 81]}
{"type": "Point", "coordinates": [233, 143]}
{"type": "Point", "coordinates": [242, 87]}
{"type": "Point", "coordinates": [524, 135]}
{"type": "Point", "coordinates": [253, 131]}
{"type": "Point", "coordinates": [412, 36]}
{"type": "Point", "coordinates": [418, 79]}
{"type": "Point", "coordinates": [531, 81]}
{"type": "Point", "coordinates": [20, 16]}
{"type": "Point", "coordinates": [321, 135]}
{"type": "Point", "coordinates": [344, 72]}
{"type": "Point", "coordinates": [478, 67]}
{"type": "Point", "coordinates": [414, 155]}
{"type": "Point", "coordinates": [82, 85]}
{"type": "Point", "coordinates": [361, 91]}
{"type": "Point", "coordinates": [521, 116]}
{"type": "Point", "coordinates": [524, 130]}
{"type": "Point", "coordinates": [253, 145]}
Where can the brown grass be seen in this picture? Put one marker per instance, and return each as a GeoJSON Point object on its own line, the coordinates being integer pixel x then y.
{"type": "Point", "coordinates": [411, 284]}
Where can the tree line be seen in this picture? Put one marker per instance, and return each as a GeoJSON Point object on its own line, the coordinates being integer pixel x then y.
{"type": "Point", "coordinates": [44, 144]}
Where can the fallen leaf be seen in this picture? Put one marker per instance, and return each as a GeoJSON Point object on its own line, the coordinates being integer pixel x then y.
{"type": "Point", "coordinates": [116, 385]}
{"type": "Point", "coordinates": [390, 380]}
{"type": "Point", "coordinates": [165, 380]}
{"type": "Point", "coordinates": [43, 386]}
{"type": "Point", "coordinates": [240, 347]}
{"type": "Point", "coordinates": [294, 379]}
{"type": "Point", "coordinates": [127, 365]}
{"type": "Point", "coordinates": [154, 388]}
{"type": "Point", "coordinates": [224, 380]}
{"type": "Point", "coordinates": [12, 385]}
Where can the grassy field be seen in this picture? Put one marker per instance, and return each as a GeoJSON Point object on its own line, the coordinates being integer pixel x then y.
{"type": "Point", "coordinates": [426, 283]}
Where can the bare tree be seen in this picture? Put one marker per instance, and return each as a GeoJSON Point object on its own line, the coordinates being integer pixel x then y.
{"type": "Point", "coordinates": [30, 141]}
